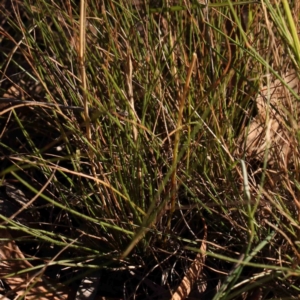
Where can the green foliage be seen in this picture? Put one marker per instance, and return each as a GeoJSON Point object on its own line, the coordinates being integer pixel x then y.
{"type": "Point", "coordinates": [106, 198]}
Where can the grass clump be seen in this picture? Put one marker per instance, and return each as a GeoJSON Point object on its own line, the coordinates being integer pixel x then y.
{"type": "Point", "coordinates": [153, 145]}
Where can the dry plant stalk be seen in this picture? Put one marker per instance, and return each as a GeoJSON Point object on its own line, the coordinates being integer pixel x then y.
{"type": "Point", "coordinates": [177, 137]}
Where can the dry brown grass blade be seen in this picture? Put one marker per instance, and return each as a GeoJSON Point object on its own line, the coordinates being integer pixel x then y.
{"type": "Point", "coordinates": [13, 261]}
{"type": "Point", "coordinates": [182, 100]}
{"type": "Point", "coordinates": [193, 272]}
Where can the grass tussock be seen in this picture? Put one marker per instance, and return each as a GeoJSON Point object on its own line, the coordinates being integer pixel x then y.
{"type": "Point", "coordinates": [153, 147]}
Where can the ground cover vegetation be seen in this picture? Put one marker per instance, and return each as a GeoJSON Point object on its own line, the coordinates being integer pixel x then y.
{"type": "Point", "coordinates": [149, 149]}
